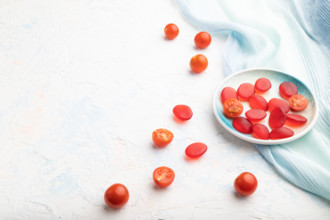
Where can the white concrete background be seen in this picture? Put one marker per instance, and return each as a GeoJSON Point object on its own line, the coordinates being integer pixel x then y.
{"type": "Point", "coordinates": [82, 86]}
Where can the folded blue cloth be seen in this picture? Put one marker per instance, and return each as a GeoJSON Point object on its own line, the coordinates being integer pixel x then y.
{"type": "Point", "coordinates": [289, 35]}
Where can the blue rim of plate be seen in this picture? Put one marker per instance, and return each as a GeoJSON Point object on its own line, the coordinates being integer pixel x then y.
{"type": "Point", "coordinates": [249, 137]}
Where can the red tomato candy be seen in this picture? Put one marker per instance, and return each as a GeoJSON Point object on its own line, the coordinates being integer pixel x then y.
{"type": "Point", "coordinates": [171, 31]}
{"type": "Point", "coordinates": [198, 63]}
{"type": "Point", "coordinates": [232, 108]}
{"type": "Point", "coordinates": [196, 150]}
{"type": "Point", "coordinates": [182, 112]}
{"type": "Point", "coordinates": [116, 196]}
{"type": "Point", "coordinates": [288, 89]}
{"type": "Point", "coordinates": [227, 93]}
{"type": "Point", "coordinates": [280, 133]}
{"type": "Point", "coordinates": [163, 176]}
{"type": "Point", "coordinates": [255, 115]}
{"type": "Point", "coordinates": [162, 137]}
{"type": "Point", "coordinates": [298, 102]}
{"type": "Point", "coordinates": [258, 102]}
{"type": "Point", "coordinates": [202, 40]}
{"type": "Point", "coordinates": [260, 131]}
{"type": "Point", "coordinates": [277, 118]}
{"type": "Point", "coordinates": [262, 85]}
{"type": "Point", "coordinates": [245, 184]}
{"type": "Point", "coordinates": [294, 120]}
{"type": "Point", "coordinates": [242, 125]}
{"type": "Point", "coordinates": [245, 91]}
{"type": "Point", "coordinates": [278, 103]}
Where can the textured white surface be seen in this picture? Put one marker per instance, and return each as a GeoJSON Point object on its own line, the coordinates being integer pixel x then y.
{"type": "Point", "coordinates": [83, 84]}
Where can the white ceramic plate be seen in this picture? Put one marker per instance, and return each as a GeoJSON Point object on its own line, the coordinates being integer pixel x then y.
{"type": "Point", "coordinates": [276, 78]}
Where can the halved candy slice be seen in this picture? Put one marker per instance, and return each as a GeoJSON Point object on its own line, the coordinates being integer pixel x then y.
{"type": "Point", "coordinates": [288, 89]}
{"type": "Point", "coordinates": [182, 112]}
{"type": "Point", "coordinates": [245, 91]}
{"type": "Point", "coordinates": [255, 115]}
{"type": "Point", "coordinates": [280, 133]}
{"type": "Point", "coordinates": [277, 118]}
{"type": "Point", "coordinates": [260, 131]}
{"type": "Point", "coordinates": [262, 85]}
{"type": "Point", "coordinates": [295, 120]}
{"type": "Point", "coordinates": [227, 93]}
{"type": "Point", "coordinates": [278, 103]}
{"type": "Point", "coordinates": [196, 150]}
{"type": "Point", "coordinates": [258, 102]}
{"type": "Point", "coordinates": [242, 125]}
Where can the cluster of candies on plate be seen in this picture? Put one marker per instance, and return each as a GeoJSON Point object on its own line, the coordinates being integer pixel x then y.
{"type": "Point", "coordinates": [278, 109]}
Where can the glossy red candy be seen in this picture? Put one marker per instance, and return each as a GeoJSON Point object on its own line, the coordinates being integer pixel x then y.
{"type": "Point", "coordinates": [242, 125]}
{"type": "Point", "coordinates": [277, 118]}
{"type": "Point", "coordinates": [280, 133]}
{"type": "Point", "coordinates": [227, 93]}
{"type": "Point", "coordinates": [182, 112]}
{"type": "Point", "coordinates": [258, 102]}
{"type": "Point", "coordinates": [196, 150]}
{"type": "Point", "coordinates": [262, 85]}
{"type": "Point", "coordinates": [260, 131]}
{"type": "Point", "coordinates": [255, 115]}
{"type": "Point", "coordinates": [245, 91]}
{"type": "Point", "coordinates": [288, 89]}
{"type": "Point", "coordinates": [278, 103]}
{"type": "Point", "coordinates": [295, 120]}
